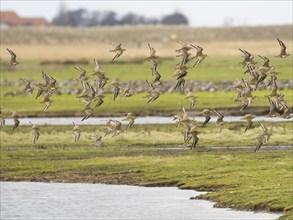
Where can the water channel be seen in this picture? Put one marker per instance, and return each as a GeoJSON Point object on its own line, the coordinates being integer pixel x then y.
{"type": "Point", "coordinates": [139, 120]}
{"type": "Point", "coordinates": [35, 200]}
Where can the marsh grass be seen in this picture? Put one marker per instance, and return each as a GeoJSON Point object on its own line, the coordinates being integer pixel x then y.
{"type": "Point", "coordinates": [229, 135]}
{"type": "Point", "coordinates": [235, 178]}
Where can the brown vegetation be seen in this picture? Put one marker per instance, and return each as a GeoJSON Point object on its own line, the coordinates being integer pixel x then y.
{"type": "Point", "coordinates": [82, 43]}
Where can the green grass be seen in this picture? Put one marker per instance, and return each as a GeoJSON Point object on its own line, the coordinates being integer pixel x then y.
{"type": "Point", "coordinates": [234, 177]}
{"type": "Point", "coordinates": [213, 68]}
{"type": "Point", "coordinates": [168, 102]}
{"type": "Point", "coordinates": [162, 135]}
{"type": "Point", "coordinates": [216, 69]}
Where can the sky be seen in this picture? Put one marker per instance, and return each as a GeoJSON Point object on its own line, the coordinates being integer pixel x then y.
{"type": "Point", "coordinates": [199, 13]}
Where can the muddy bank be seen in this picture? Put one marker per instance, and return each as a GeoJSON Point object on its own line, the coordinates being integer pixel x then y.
{"type": "Point", "coordinates": [231, 111]}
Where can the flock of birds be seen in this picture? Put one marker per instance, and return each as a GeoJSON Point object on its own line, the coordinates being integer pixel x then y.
{"type": "Point", "coordinates": [92, 93]}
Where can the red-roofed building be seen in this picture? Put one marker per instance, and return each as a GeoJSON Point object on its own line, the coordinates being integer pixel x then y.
{"type": "Point", "coordinates": [10, 18]}
{"type": "Point", "coordinates": [34, 21]}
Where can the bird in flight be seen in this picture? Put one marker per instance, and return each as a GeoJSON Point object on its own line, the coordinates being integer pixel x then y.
{"type": "Point", "coordinates": [13, 62]}
{"type": "Point", "coordinates": [199, 55]}
{"type": "Point", "coordinates": [130, 118]}
{"type": "Point", "coordinates": [248, 118]}
{"type": "Point", "coordinates": [76, 131]}
{"type": "Point", "coordinates": [283, 53]}
{"type": "Point", "coordinates": [15, 119]}
{"type": "Point", "coordinates": [118, 50]}
{"type": "Point", "coordinates": [220, 119]}
{"type": "Point", "coordinates": [36, 130]}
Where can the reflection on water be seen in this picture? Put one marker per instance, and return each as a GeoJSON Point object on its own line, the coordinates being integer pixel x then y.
{"type": "Point", "coordinates": [28, 200]}
{"type": "Point", "coordinates": [139, 120]}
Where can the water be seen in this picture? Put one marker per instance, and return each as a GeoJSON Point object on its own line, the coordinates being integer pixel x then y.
{"type": "Point", "coordinates": [139, 120]}
{"type": "Point", "coordinates": [29, 200]}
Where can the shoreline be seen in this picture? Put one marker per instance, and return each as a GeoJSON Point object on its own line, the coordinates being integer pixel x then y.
{"type": "Point", "coordinates": [234, 178]}
{"type": "Point", "coordinates": [203, 196]}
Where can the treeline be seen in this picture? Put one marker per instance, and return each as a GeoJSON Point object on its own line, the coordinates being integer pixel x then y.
{"type": "Point", "coordinates": [83, 17]}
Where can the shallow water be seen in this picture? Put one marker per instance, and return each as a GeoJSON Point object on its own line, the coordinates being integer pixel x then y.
{"type": "Point", "coordinates": [139, 120]}
{"type": "Point", "coordinates": [29, 200]}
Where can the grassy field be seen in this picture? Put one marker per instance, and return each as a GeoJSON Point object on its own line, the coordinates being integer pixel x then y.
{"type": "Point", "coordinates": [214, 69]}
{"type": "Point", "coordinates": [153, 155]}
{"type": "Point", "coordinates": [167, 135]}
{"type": "Point", "coordinates": [167, 104]}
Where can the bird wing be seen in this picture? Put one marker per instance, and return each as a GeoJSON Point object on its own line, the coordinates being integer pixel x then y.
{"type": "Point", "coordinates": [118, 54]}
{"type": "Point", "coordinates": [25, 80]}
{"type": "Point", "coordinates": [182, 74]}
{"type": "Point", "coordinates": [264, 58]}
{"type": "Point", "coordinates": [246, 53]}
{"type": "Point", "coordinates": [13, 55]}
{"type": "Point", "coordinates": [183, 109]}
{"type": "Point", "coordinates": [47, 105]}
{"type": "Point", "coordinates": [97, 66]}
{"type": "Point", "coordinates": [218, 113]}
{"type": "Point", "coordinates": [40, 92]}
{"type": "Point", "coordinates": [77, 134]}
{"type": "Point", "coordinates": [207, 119]}
{"type": "Point", "coordinates": [45, 77]}
{"type": "Point", "coordinates": [186, 90]}
{"type": "Point", "coordinates": [156, 73]}
{"type": "Point", "coordinates": [81, 70]}
{"type": "Point", "coordinates": [16, 123]}
{"type": "Point", "coordinates": [36, 136]}
{"type": "Point", "coordinates": [52, 79]}
{"type": "Point", "coordinates": [118, 47]}
{"type": "Point", "coordinates": [154, 97]}
{"type": "Point", "coordinates": [130, 124]}
{"type": "Point", "coordinates": [180, 42]}
{"type": "Point", "coordinates": [195, 141]}
{"type": "Point", "coordinates": [92, 91]}
{"type": "Point", "coordinates": [245, 83]}
{"type": "Point", "coordinates": [149, 46]}
{"type": "Point", "coordinates": [115, 43]}
{"type": "Point", "coordinates": [249, 124]}
{"type": "Point", "coordinates": [152, 50]}
{"type": "Point", "coordinates": [116, 92]}
{"type": "Point", "coordinates": [194, 46]}
{"type": "Point", "coordinates": [244, 106]}
{"type": "Point", "coordinates": [180, 82]}
{"type": "Point", "coordinates": [258, 145]}
{"type": "Point", "coordinates": [251, 69]}
{"type": "Point", "coordinates": [264, 129]}
{"type": "Point", "coordinates": [199, 49]}
{"type": "Point", "coordinates": [151, 86]}
{"type": "Point", "coordinates": [283, 47]}
{"type": "Point", "coordinates": [243, 51]}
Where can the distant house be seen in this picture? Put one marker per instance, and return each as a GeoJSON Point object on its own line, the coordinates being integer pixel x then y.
{"type": "Point", "coordinates": [10, 19]}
